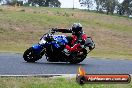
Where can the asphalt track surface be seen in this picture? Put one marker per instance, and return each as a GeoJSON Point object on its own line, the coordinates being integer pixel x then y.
{"type": "Point", "coordinates": [13, 64]}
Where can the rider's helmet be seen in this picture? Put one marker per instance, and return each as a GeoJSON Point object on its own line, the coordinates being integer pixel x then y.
{"type": "Point", "coordinates": [77, 29]}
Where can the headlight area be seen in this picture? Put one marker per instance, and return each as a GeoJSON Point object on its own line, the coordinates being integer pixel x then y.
{"type": "Point", "coordinates": [42, 41]}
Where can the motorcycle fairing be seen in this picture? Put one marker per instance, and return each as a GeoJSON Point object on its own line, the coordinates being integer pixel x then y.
{"type": "Point", "coordinates": [60, 40]}
{"type": "Point", "coordinates": [37, 48]}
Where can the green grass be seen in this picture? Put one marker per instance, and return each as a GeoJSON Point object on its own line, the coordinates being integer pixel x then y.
{"type": "Point", "coordinates": [111, 54]}
{"type": "Point", "coordinates": [31, 82]}
{"type": "Point", "coordinates": [22, 27]}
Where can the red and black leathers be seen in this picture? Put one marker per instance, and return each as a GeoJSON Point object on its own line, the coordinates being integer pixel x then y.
{"type": "Point", "coordinates": [76, 42]}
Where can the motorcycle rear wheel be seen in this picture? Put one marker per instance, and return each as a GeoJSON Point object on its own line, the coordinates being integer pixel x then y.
{"type": "Point", "coordinates": [78, 59]}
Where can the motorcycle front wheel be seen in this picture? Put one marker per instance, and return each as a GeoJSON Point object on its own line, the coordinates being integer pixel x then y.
{"type": "Point", "coordinates": [30, 55]}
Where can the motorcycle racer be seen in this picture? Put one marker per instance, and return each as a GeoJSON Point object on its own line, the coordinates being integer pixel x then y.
{"type": "Point", "coordinates": [78, 38]}
{"type": "Point", "coordinates": [61, 48]}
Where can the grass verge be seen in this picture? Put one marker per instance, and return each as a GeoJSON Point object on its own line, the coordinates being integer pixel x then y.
{"type": "Point", "coordinates": [34, 82]}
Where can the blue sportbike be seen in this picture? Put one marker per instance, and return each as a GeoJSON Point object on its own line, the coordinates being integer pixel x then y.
{"type": "Point", "coordinates": [52, 47]}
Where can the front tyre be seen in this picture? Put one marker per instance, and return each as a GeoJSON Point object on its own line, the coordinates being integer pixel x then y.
{"type": "Point", "coordinates": [30, 55]}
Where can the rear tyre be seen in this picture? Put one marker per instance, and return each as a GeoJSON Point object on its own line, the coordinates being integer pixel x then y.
{"type": "Point", "coordinates": [30, 55]}
{"type": "Point", "coordinates": [78, 59]}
